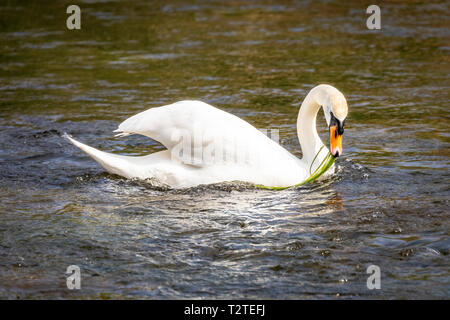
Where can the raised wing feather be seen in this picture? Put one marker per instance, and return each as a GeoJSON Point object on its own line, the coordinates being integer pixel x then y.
{"type": "Point", "coordinates": [165, 123]}
{"type": "Point", "coordinates": [189, 128]}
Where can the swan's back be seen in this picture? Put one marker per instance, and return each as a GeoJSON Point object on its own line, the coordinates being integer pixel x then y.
{"type": "Point", "coordinates": [204, 145]}
{"type": "Point", "coordinates": [204, 128]}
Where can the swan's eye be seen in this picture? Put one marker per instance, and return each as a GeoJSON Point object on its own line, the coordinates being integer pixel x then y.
{"type": "Point", "coordinates": [333, 120]}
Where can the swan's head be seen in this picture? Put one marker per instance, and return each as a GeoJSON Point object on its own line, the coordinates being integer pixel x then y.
{"type": "Point", "coordinates": [335, 108]}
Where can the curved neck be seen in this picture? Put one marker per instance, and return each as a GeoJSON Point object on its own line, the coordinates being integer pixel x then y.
{"type": "Point", "coordinates": [306, 127]}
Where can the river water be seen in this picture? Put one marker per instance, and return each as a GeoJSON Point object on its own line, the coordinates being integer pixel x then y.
{"type": "Point", "coordinates": [387, 205]}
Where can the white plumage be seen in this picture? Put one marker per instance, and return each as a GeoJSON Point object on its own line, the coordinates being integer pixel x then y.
{"type": "Point", "coordinates": [207, 145]}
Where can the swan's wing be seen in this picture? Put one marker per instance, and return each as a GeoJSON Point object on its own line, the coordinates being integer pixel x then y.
{"type": "Point", "coordinates": [166, 123]}
{"type": "Point", "coordinates": [194, 130]}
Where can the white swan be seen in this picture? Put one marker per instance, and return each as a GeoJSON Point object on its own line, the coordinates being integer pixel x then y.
{"type": "Point", "coordinates": [207, 145]}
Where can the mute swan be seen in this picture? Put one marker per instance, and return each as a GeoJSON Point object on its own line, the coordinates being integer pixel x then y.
{"type": "Point", "coordinates": [207, 145]}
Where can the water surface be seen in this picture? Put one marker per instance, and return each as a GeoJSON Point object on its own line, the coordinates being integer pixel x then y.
{"type": "Point", "coordinates": [387, 204]}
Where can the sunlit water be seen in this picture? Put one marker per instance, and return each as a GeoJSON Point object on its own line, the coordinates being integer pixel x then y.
{"type": "Point", "coordinates": [387, 204]}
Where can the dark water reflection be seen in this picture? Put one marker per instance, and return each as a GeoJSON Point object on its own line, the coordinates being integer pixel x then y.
{"type": "Point", "coordinates": [387, 205]}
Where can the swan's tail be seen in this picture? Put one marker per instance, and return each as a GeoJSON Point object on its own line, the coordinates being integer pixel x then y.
{"type": "Point", "coordinates": [116, 164]}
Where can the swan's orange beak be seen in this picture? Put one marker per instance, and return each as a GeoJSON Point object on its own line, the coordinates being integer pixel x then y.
{"type": "Point", "coordinates": [335, 141]}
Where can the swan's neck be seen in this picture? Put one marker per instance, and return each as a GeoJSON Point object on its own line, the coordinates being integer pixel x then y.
{"type": "Point", "coordinates": [306, 128]}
